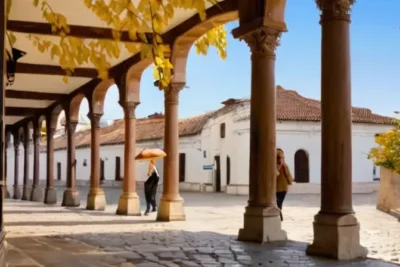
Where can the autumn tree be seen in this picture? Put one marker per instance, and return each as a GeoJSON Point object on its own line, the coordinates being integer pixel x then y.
{"type": "Point", "coordinates": [123, 15]}
{"type": "Point", "coordinates": [387, 153]}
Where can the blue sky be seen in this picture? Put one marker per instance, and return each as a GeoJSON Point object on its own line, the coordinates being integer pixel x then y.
{"type": "Point", "coordinates": [375, 59]}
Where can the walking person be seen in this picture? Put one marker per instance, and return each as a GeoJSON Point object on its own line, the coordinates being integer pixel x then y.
{"type": "Point", "coordinates": [283, 179]}
{"type": "Point", "coordinates": [150, 188]}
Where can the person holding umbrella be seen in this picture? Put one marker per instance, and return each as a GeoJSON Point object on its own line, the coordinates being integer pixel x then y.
{"type": "Point", "coordinates": [151, 184]}
{"type": "Point", "coordinates": [150, 187]}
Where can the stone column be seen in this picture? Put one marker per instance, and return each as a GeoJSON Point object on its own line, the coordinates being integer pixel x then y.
{"type": "Point", "coordinates": [26, 191]}
{"type": "Point", "coordinates": [71, 196]}
{"type": "Point", "coordinates": [50, 193]}
{"type": "Point", "coordinates": [129, 202]}
{"type": "Point", "coordinates": [96, 199]}
{"type": "Point", "coordinates": [17, 191]}
{"type": "Point", "coordinates": [7, 193]}
{"type": "Point", "coordinates": [36, 194]}
{"type": "Point", "coordinates": [261, 219]}
{"type": "Point", "coordinates": [336, 229]}
{"type": "Point", "coordinates": [171, 203]}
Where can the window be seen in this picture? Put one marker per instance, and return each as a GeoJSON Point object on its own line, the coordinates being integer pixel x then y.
{"type": "Point", "coordinates": [222, 130]}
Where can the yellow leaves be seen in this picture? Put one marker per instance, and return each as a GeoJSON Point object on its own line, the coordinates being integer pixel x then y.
{"type": "Point", "coordinates": [65, 78]}
{"type": "Point", "coordinates": [215, 37]}
{"type": "Point", "coordinates": [55, 51]}
{"type": "Point", "coordinates": [145, 21]}
{"type": "Point", "coordinates": [169, 10]}
{"type": "Point", "coordinates": [88, 3]}
{"type": "Point", "coordinates": [132, 47]}
{"type": "Point", "coordinates": [8, 8]}
{"type": "Point", "coordinates": [387, 153]}
{"type": "Point", "coordinates": [11, 38]}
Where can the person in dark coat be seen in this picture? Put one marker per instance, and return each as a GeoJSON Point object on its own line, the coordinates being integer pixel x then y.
{"type": "Point", "coordinates": [150, 188]}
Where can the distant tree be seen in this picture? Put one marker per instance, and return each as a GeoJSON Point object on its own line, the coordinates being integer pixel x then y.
{"type": "Point", "coordinates": [387, 153]}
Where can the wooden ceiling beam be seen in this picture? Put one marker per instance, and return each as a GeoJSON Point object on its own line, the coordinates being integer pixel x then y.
{"type": "Point", "coordinates": [28, 68]}
{"type": "Point", "coordinates": [86, 32]}
{"type": "Point", "coordinates": [23, 112]}
{"type": "Point", "coordinates": [20, 94]}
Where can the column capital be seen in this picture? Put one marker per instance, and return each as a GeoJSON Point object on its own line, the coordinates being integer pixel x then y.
{"type": "Point", "coordinates": [72, 126]}
{"type": "Point", "coordinates": [335, 9]}
{"type": "Point", "coordinates": [129, 109]}
{"type": "Point", "coordinates": [171, 93]}
{"type": "Point", "coordinates": [262, 41]}
{"type": "Point", "coordinates": [95, 119]}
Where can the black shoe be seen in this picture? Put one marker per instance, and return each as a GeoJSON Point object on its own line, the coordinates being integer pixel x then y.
{"type": "Point", "coordinates": [154, 209]}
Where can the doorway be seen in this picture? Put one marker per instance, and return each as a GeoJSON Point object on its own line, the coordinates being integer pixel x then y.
{"type": "Point", "coordinates": [182, 167]}
{"type": "Point", "coordinates": [217, 174]}
{"type": "Point", "coordinates": [228, 170]}
{"type": "Point", "coordinates": [301, 167]}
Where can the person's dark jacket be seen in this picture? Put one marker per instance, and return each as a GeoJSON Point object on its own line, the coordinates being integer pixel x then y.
{"type": "Point", "coordinates": [150, 186]}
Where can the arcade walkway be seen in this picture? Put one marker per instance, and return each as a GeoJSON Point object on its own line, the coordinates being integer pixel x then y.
{"type": "Point", "coordinates": [49, 235]}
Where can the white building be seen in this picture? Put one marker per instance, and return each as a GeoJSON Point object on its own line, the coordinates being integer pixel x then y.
{"type": "Point", "coordinates": [214, 147]}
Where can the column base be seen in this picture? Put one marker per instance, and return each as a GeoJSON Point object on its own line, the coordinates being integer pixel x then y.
{"type": "Point", "coordinates": [17, 192]}
{"type": "Point", "coordinates": [171, 210]}
{"type": "Point", "coordinates": [26, 193]}
{"type": "Point", "coordinates": [36, 194]}
{"type": "Point", "coordinates": [262, 225]}
{"type": "Point", "coordinates": [96, 199]}
{"type": "Point", "coordinates": [71, 198]}
{"type": "Point", "coordinates": [129, 204]}
{"type": "Point", "coordinates": [50, 196]}
{"type": "Point", "coordinates": [337, 236]}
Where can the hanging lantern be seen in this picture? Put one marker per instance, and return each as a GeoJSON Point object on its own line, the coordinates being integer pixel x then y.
{"type": "Point", "coordinates": [12, 64]}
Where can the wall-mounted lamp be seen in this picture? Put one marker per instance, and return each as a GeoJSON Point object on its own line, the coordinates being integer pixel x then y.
{"type": "Point", "coordinates": [12, 64]}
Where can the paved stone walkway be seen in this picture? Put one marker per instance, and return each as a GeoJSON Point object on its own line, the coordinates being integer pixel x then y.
{"type": "Point", "coordinates": [47, 235]}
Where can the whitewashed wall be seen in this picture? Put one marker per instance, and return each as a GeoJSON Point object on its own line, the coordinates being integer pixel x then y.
{"type": "Point", "coordinates": [291, 136]}
{"type": "Point", "coordinates": [191, 146]}
{"type": "Point", "coordinates": [201, 150]}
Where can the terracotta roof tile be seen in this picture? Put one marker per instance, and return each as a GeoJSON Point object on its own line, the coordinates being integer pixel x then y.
{"type": "Point", "coordinates": [294, 107]}
{"type": "Point", "coordinates": [146, 129]}
{"type": "Point", "coordinates": [290, 106]}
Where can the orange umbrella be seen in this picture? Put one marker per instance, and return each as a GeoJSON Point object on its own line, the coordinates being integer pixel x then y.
{"type": "Point", "coordinates": [150, 154]}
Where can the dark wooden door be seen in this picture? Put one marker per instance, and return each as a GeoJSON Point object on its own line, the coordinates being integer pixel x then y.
{"type": "Point", "coordinates": [182, 167]}
{"type": "Point", "coordinates": [117, 169]}
{"type": "Point", "coordinates": [59, 171]}
{"type": "Point", "coordinates": [218, 174]}
{"type": "Point", "coordinates": [301, 167]}
{"type": "Point", "coordinates": [102, 178]}
{"type": "Point", "coordinates": [228, 170]}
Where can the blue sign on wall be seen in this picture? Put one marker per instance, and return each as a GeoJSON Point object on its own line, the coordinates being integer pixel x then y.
{"type": "Point", "coordinates": [208, 167]}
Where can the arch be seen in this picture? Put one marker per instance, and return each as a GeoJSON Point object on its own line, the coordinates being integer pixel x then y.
{"type": "Point", "coordinates": [301, 166]}
{"type": "Point", "coordinates": [129, 83]}
{"type": "Point", "coordinates": [96, 105]}
{"type": "Point", "coordinates": [182, 44]}
{"type": "Point", "coordinates": [74, 106]}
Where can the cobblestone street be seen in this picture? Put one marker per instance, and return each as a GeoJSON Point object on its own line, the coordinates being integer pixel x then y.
{"type": "Point", "coordinates": [207, 238]}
